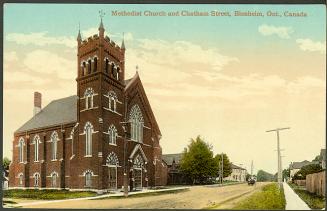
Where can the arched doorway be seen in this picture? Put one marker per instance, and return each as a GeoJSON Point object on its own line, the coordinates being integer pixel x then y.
{"type": "Point", "coordinates": [138, 172]}
{"type": "Point", "coordinates": [112, 163]}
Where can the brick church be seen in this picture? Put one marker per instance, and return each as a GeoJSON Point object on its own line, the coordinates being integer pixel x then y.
{"type": "Point", "coordinates": [89, 141]}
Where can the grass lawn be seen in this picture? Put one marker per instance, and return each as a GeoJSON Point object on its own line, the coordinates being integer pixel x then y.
{"type": "Point", "coordinates": [312, 200]}
{"type": "Point", "coordinates": [269, 198]}
{"type": "Point", "coordinates": [46, 194]}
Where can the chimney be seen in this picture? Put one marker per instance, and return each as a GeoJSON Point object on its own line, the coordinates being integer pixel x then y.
{"type": "Point", "coordinates": [37, 103]}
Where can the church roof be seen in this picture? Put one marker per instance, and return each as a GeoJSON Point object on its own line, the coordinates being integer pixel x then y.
{"type": "Point", "coordinates": [60, 111]}
{"type": "Point", "coordinates": [57, 112]}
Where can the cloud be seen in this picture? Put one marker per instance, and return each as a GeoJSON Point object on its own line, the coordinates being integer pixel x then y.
{"type": "Point", "coordinates": [10, 56]}
{"type": "Point", "coordinates": [310, 45]}
{"type": "Point", "coordinates": [41, 39]}
{"type": "Point", "coordinates": [282, 32]}
{"type": "Point", "coordinates": [168, 62]}
{"type": "Point", "coordinates": [43, 61]}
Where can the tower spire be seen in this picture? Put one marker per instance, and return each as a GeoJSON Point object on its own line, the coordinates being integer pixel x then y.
{"type": "Point", "coordinates": [123, 42]}
{"type": "Point", "coordinates": [79, 37]}
{"type": "Point", "coordinates": [101, 28]}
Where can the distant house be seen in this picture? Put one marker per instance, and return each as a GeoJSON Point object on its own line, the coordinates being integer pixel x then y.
{"type": "Point", "coordinates": [323, 158]}
{"type": "Point", "coordinates": [238, 174]}
{"type": "Point", "coordinates": [296, 166]}
{"type": "Point", "coordinates": [175, 176]}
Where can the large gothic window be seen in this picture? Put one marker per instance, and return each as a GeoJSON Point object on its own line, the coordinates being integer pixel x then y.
{"type": "Point", "coordinates": [136, 120]}
{"type": "Point", "coordinates": [88, 130]}
{"type": "Point", "coordinates": [37, 141]}
{"type": "Point", "coordinates": [54, 140]}
{"type": "Point", "coordinates": [112, 159]}
{"type": "Point", "coordinates": [112, 101]}
{"type": "Point", "coordinates": [112, 134]}
{"type": "Point", "coordinates": [21, 144]}
{"type": "Point", "coordinates": [88, 95]}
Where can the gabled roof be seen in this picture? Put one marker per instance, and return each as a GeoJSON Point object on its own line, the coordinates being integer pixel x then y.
{"type": "Point", "coordinates": [233, 166]}
{"type": "Point", "coordinates": [61, 111]}
{"type": "Point", "coordinates": [299, 165]}
{"type": "Point", "coordinates": [169, 158]}
{"type": "Point", "coordinates": [131, 83]}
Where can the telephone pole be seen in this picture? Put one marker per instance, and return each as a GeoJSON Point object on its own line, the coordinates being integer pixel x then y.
{"type": "Point", "coordinates": [278, 153]}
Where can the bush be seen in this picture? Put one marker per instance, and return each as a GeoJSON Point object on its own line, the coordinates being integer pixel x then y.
{"type": "Point", "coordinates": [269, 198]}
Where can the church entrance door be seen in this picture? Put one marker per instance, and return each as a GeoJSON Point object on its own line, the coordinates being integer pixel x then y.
{"type": "Point", "coordinates": [137, 179]}
{"type": "Point", "coordinates": [112, 178]}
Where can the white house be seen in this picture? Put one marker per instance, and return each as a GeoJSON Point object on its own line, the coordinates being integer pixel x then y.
{"type": "Point", "coordinates": [238, 174]}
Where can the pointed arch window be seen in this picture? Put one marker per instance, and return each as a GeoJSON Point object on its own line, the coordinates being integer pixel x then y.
{"type": "Point", "coordinates": [107, 65]}
{"type": "Point", "coordinates": [88, 178]}
{"type": "Point", "coordinates": [95, 65]}
{"type": "Point", "coordinates": [88, 95]}
{"type": "Point", "coordinates": [88, 130]}
{"type": "Point", "coordinates": [54, 140]}
{"type": "Point", "coordinates": [136, 120]}
{"type": "Point", "coordinates": [117, 74]}
{"type": "Point", "coordinates": [112, 101]}
{"type": "Point", "coordinates": [112, 135]}
{"type": "Point", "coordinates": [36, 179]}
{"type": "Point", "coordinates": [83, 68]}
{"type": "Point", "coordinates": [36, 141]}
{"type": "Point", "coordinates": [89, 68]}
{"type": "Point", "coordinates": [20, 179]}
{"type": "Point", "coordinates": [54, 176]}
{"type": "Point", "coordinates": [21, 144]}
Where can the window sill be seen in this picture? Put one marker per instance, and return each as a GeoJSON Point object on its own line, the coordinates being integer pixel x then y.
{"type": "Point", "coordinates": [87, 109]}
{"type": "Point", "coordinates": [54, 160]}
{"type": "Point", "coordinates": [36, 161]}
{"type": "Point", "coordinates": [88, 156]}
{"type": "Point", "coordinates": [112, 144]}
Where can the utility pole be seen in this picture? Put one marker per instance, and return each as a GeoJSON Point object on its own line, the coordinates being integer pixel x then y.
{"type": "Point", "coordinates": [125, 127]}
{"type": "Point", "coordinates": [222, 168]}
{"type": "Point", "coordinates": [278, 154]}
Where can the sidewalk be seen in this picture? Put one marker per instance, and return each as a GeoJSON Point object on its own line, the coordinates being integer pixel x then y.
{"type": "Point", "coordinates": [95, 197]}
{"type": "Point", "coordinates": [293, 201]}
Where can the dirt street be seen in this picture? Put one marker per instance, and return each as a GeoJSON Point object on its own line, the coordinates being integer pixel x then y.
{"type": "Point", "coordinates": [196, 198]}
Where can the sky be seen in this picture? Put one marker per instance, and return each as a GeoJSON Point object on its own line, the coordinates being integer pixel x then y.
{"type": "Point", "coordinates": [227, 79]}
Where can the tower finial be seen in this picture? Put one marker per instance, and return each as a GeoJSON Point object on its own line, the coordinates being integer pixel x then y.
{"type": "Point", "coordinates": [101, 14]}
{"type": "Point", "coordinates": [123, 42]}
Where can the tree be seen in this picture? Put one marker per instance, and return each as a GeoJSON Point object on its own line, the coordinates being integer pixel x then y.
{"type": "Point", "coordinates": [305, 170]}
{"type": "Point", "coordinates": [317, 158]}
{"type": "Point", "coordinates": [286, 174]}
{"type": "Point", "coordinates": [197, 161]}
{"type": "Point", "coordinates": [263, 176]}
{"type": "Point", "coordinates": [6, 162]}
{"type": "Point", "coordinates": [227, 168]}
